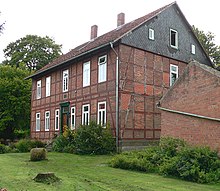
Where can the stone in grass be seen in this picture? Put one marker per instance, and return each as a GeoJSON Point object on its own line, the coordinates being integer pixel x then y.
{"type": "Point", "coordinates": [38, 154]}
{"type": "Point", "coordinates": [47, 178]}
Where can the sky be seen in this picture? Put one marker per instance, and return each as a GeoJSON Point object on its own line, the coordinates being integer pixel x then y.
{"type": "Point", "coordinates": [68, 22]}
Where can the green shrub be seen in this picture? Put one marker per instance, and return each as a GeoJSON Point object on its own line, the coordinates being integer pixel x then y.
{"type": "Point", "coordinates": [2, 149]}
{"type": "Point", "coordinates": [63, 144]}
{"type": "Point", "coordinates": [38, 154]}
{"type": "Point", "coordinates": [25, 145]}
{"type": "Point", "coordinates": [173, 157]}
{"type": "Point", "coordinates": [94, 139]}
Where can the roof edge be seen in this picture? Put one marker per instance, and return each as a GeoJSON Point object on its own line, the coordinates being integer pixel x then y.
{"type": "Point", "coordinates": [64, 62]}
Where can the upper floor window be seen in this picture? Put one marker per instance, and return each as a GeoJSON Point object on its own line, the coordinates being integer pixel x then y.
{"type": "Point", "coordinates": [38, 89]}
{"type": "Point", "coordinates": [37, 121]}
{"type": "Point", "coordinates": [57, 121]}
{"type": "Point", "coordinates": [193, 49]}
{"type": "Point", "coordinates": [48, 86]}
{"type": "Point", "coordinates": [173, 38]}
{"type": "Point", "coordinates": [151, 34]}
{"type": "Point", "coordinates": [102, 68]}
{"type": "Point", "coordinates": [85, 114]}
{"type": "Point", "coordinates": [73, 118]}
{"type": "Point", "coordinates": [102, 113]}
{"type": "Point", "coordinates": [65, 80]}
{"type": "Point", "coordinates": [47, 121]}
{"type": "Point", "coordinates": [86, 74]}
{"type": "Point", "coordinates": [173, 74]}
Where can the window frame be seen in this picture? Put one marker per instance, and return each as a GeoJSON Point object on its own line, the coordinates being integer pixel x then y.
{"type": "Point", "coordinates": [57, 120]}
{"type": "Point", "coordinates": [173, 72]}
{"type": "Point", "coordinates": [86, 76]}
{"type": "Point", "coordinates": [193, 49]}
{"type": "Point", "coordinates": [151, 34]}
{"type": "Point", "coordinates": [37, 121]}
{"type": "Point", "coordinates": [38, 93]}
{"type": "Point", "coordinates": [73, 117]}
{"type": "Point", "coordinates": [105, 113]}
{"type": "Point", "coordinates": [47, 121]}
{"type": "Point", "coordinates": [86, 113]}
{"type": "Point", "coordinates": [65, 80]}
{"type": "Point", "coordinates": [176, 38]}
{"type": "Point", "coordinates": [100, 66]}
{"type": "Point", "coordinates": [48, 85]}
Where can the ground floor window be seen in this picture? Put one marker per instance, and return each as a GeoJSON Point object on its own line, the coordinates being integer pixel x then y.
{"type": "Point", "coordinates": [85, 114]}
{"type": "Point", "coordinates": [47, 121]}
{"type": "Point", "coordinates": [37, 121]}
{"type": "Point", "coordinates": [73, 118]}
{"type": "Point", "coordinates": [102, 113]}
{"type": "Point", "coordinates": [57, 121]}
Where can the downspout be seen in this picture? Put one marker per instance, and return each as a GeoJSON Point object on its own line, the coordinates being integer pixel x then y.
{"type": "Point", "coordinates": [188, 114]}
{"type": "Point", "coordinates": [116, 98]}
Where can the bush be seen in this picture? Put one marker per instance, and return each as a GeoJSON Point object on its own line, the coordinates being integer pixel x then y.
{"type": "Point", "coordinates": [2, 149]}
{"type": "Point", "coordinates": [65, 142]}
{"type": "Point", "coordinates": [173, 157]}
{"type": "Point", "coordinates": [87, 139]}
{"type": "Point", "coordinates": [94, 139]}
{"type": "Point", "coordinates": [38, 154]}
{"type": "Point", "coordinates": [25, 145]}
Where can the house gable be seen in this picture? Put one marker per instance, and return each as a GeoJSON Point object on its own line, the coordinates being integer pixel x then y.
{"type": "Point", "coordinates": [170, 19]}
{"type": "Point", "coordinates": [195, 92]}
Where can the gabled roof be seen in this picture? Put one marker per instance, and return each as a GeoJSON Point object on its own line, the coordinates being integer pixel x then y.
{"type": "Point", "coordinates": [204, 67]}
{"type": "Point", "coordinates": [101, 41]}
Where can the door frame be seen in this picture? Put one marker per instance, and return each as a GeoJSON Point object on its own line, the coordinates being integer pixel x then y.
{"type": "Point", "coordinates": [62, 106]}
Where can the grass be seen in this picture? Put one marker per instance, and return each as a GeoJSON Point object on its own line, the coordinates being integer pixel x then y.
{"type": "Point", "coordinates": [84, 173]}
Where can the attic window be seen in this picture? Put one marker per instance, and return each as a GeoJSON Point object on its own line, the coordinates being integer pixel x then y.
{"type": "Point", "coordinates": [193, 49]}
{"type": "Point", "coordinates": [151, 34]}
{"type": "Point", "coordinates": [173, 38]}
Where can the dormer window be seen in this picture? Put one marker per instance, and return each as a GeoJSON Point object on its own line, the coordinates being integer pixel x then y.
{"type": "Point", "coordinates": [151, 34]}
{"type": "Point", "coordinates": [173, 38]}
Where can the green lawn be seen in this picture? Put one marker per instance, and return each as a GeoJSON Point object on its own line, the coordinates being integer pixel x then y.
{"type": "Point", "coordinates": [84, 173]}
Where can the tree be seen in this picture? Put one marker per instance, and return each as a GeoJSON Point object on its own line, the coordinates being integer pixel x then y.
{"type": "Point", "coordinates": [1, 27]}
{"type": "Point", "coordinates": [207, 40]}
{"type": "Point", "coordinates": [15, 101]}
{"type": "Point", "coordinates": [31, 51]}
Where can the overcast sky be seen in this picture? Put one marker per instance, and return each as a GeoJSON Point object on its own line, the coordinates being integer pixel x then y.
{"type": "Point", "coordinates": [68, 22]}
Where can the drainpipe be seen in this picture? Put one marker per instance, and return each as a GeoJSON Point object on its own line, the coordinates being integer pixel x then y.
{"type": "Point", "coordinates": [116, 97]}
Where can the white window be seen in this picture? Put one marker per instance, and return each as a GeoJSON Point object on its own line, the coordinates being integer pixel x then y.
{"type": "Point", "coordinates": [85, 114]}
{"type": "Point", "coordinates": [102, 113]}
{"type": "Point", "coordinates": [151, 34]}
{"type": "Point", "coordinates": [38, 89]}
{"type": "Point", "coordinates": [86, 74]}
{"type": "Point", "coordinates": [48, 86]}
{"type": "Point", "coordinates": [173, 74]}
{"type": "Point", "coordinates": [65, 80]}
{"type": "Point", "coordinates": [73, 118]}
{"type": "Point", "coordinates": [102, 68]}
{"type": "Point", "coordinates": [173, 38]}
{"type": "Point", "coordinates": [193, 49]}
{"type": "Point", "coordinates": [57, 119]}
{"type": "Point", "coordinates": [37, 121]}
{"type": "Point", "coordinates": [47, 121]}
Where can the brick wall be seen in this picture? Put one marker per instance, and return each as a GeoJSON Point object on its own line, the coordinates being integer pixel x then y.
{"type": "Point", "coordinates": [197, 92]}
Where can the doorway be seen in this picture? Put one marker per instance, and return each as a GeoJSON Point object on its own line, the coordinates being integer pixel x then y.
{"type": "Point", "coordinates": [64, 115]}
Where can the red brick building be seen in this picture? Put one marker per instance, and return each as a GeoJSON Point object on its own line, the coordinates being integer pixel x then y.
{"type": "Point", "coordinates": [191, 107]}
{"type": "Point", "coordinates": [117, 77]}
